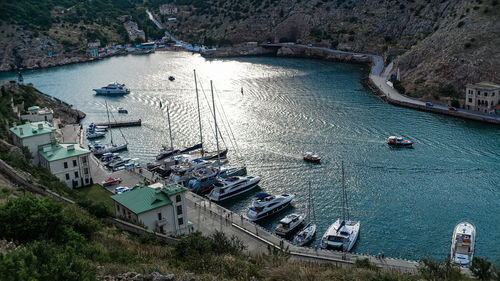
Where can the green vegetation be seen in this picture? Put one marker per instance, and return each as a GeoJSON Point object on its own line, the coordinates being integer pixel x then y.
{"type": "Point", "coordinates": [98, 196]}
{"type": "Point", "coordinates": [399, 87]}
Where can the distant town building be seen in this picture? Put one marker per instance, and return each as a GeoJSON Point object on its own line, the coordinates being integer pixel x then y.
{"type": "Point", "coordinates": [483, 96]}
{"type": "Point", "coordinates": [250, 43]}
{"type": "Point", "coordinates": [168, 9]}
{"type": "Point", "coordinates": [172, 20]}
{"type": "Point", "coordinates": [37, 114]}
{"type": "Point", "coordinates": [93, 53]}
{"type": "Point", "coordinates": [33, 136]}
{"type": "Point", "coordinates": [133, 31]}
{"type": "Point", "coordinates": [122, 18]}
{"type": "Point", "coordinates": [68, 161]}
{"type": "Point", "coordinates": [160, 207]}
{"type": "Point", "coordinates": [95, 44]}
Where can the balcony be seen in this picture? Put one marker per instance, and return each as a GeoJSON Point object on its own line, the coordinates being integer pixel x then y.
{"type": "Point", "coordinates": [161, 222]}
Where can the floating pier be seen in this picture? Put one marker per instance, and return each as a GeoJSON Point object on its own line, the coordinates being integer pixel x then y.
{"type": "Point", "coordinates": [121, 123]}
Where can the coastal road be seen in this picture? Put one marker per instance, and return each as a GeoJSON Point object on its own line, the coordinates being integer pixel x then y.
{"type": "Point", "coordinates": [152, 18]}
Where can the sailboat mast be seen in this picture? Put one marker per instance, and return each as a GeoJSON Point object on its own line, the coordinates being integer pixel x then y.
{"type": "Point", "coordinates": [170, 133]}
{"type": "Point", "coordinates": [109, 122]}
{"type": "Point", "coordinates": [216, 128]}
{"type": "Point", "coordinates": [199, 116]}
{"type": "Point", "coordinates": [343, 193]}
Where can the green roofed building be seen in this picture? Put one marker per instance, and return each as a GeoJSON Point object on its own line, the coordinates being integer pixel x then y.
{"type": "Point", "coordinates": [160, 207]}
{"type": "Point", "coordinates": [33, 135]}
{"type": "Point", "coordinates": [68, 161]}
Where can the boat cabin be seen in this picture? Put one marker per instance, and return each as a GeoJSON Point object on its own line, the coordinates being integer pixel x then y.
{"type": "Point", "coordinates": [288, 220]}
{"type": "Point", "coordinates": [463, 244]}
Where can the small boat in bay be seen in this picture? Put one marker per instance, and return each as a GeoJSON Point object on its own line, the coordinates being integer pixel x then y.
{"type": "Point", "coordinates": [265, 205]}
{"type": "Point", "coordinates": [95, 135]}
{"type": "Point", "coordinates": [171, 78]}
{"type": "Point", "coordinates": [112, 89]}
{"type": "Point", "coordinates": [122, 110]}
{"type": "Point", "coordinates": [343, 233]}
{"type": "Point", "coordinates": [399, 142]}
{"type": "Point", "coordinates": [311, 157]}
{"type": "Point", "coordinates": [462, 243]}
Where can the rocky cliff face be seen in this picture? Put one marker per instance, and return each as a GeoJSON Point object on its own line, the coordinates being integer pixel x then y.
{"type": "Point", "coordinates": [439, 45]}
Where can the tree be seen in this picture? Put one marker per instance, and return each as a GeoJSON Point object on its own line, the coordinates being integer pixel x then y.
{"type": "Point", "coordinates": [481, 268]}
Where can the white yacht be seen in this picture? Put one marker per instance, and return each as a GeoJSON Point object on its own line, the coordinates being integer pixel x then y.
{"type": "Point", "coordinates": [462, 243]}
{"type": "Point", "coordinates": [343, 233]}
{"type": "Point", "coordinates": [98, 149]}
{"type": "Point", "coordinates": [112, 89]}
{"type": "Point", "coordinates": [288, 224]}
{"type": "Point", "coordinates": [266, 204]}
{"type": "Point", "coordinates": [95, 135]}
{"type": "Point", "coordinates": [232, 186]}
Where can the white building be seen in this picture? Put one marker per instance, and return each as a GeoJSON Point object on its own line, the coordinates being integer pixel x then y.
{"type": "Point", "coordinates": [37, 114]}
{"type": "Point", "coordinates": [33, 136]}
{"type": "Point", "coordinates": [483, 96]}
{"type": "Point", "coordinates": [168, 9]}
{"type": "Point", "coordinates": [159, 207]}
{"type": "Point", "coordinates": [69, 162]}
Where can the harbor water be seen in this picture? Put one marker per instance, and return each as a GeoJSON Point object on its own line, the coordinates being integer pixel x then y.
{"type": "Point", "coordinates": [408, 200]}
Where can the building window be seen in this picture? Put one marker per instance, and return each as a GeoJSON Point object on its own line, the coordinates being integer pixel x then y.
{"type": "Point", "coordinates": [178, 198]}
{"type": "Point", "coordinates": [65, 165]}
{"type": "Point", "coordinates": [76, 175]}
{"type": "Point", "coordinates": [86, 180]}
{"type": "Point", "coordinates": [159, 216]}
{"type": "Point", "coordinates": [86, 171]}
{"type": "Point", "coordinates": [74, 163]}
{"type": "Point", "coordinates": [118, 208]}
{"type": "Point", "coordinates": [84, 159]}
{"type": "Point", "coordinates": [493, 94]}
{"type": "Point", "coordinates": [179, 210]}
{"type": "Point", "coordinates": [180, 221]}
{"type": "Point", "coordinates": [470, 100]}
{"type": "Point", "coordinates": [67, 176]}
{"type": "Point", "coordinates": [485, 94]}
{"type": "Point", "coordinates": [161, 229]}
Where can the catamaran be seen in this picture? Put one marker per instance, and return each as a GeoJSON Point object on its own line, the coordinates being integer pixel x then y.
{"type": "Point", "coordinates": [462, 243]}
{"type": "Point", "coordinates": [342, 234]}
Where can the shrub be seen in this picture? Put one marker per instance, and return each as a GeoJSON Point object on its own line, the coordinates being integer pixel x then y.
{"type": "Point", "coordinates": [460, 24]}
{"type": "Point", "coordinates": [399, 87]}
{"type": "Point", "coordinates": [467, 45]}
{"type": "Point", "coordinates": [365, 263]}
{"type": "Point", "coordinates": [481, 268]}
{"type": "Point", "coordinates": [455, 103]}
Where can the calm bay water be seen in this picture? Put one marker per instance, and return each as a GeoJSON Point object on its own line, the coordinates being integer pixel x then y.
{"type": "Point", "coordinates": [408, 200]}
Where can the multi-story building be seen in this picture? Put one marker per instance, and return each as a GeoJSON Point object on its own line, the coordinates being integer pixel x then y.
{"type": "Point", "coordinates": [69, 162]}
{"type": "Point", "coordinates": [483, 96]}
{"type": "Point", "coordinates": [33, 136]}
{"type": "Point", "coordinates": [159, 207]}
{"type": "Point", "coordinates": [37, 114]}
{"type": "Point", "coordinates": [168, 9]}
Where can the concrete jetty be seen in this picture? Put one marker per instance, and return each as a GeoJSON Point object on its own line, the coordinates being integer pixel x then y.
{"type": "Point", "coordinates": [121, 123]}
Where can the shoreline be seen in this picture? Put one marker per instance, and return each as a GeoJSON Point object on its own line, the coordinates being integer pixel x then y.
{"type": "Point", "coordinates": [375, 80]}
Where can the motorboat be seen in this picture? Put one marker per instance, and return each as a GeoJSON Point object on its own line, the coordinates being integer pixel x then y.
{"type": "Point", "coordinates": [101, 149]}
{"type": "Point", "coordinates": [204, 177]}
{"type": "Point", "coordinates": [122, 110]}
{"type": "Point", "coordinates": [111, 181]}
{"type": "Point", "coordinates": [265, 205]}
{"type": "Point", "coordinates": [112, 89]}
{"type": "Point", "coordinates": [232, 186]}
{"type": "Point", "coordinates": [171, 78]}
{"type": "Point", "coordinates": [288, 224]}
{"type": "Point", "coordinates": [183, 172]}
{"type": "Point", "coordinates": [462, 243]}
{"type": "Point", "coordinates": [95, 135]}
{"type": "Point", "coordinates": [399, 142]}
{"type": "Point", "coordinates": [107, 157]}
{"type": "Point", "coordinates": [343, 233]}
{"type": "Point", "coordinates": [311, 157]}
{"type": "Point", "coordinates": [117, 162]}
{"type": "Point", "coordinates": [305, 235]}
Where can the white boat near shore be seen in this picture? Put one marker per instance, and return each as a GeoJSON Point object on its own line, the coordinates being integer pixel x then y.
{"type": "Point", "coordinates": [462, 243]}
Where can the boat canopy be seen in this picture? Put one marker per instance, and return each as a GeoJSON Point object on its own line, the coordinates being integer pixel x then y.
{"type": "Point", "coordinates": [262, 195]}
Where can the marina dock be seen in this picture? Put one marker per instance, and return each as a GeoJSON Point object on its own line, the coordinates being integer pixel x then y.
{"type": "Point", "coordinates": [121, 123]}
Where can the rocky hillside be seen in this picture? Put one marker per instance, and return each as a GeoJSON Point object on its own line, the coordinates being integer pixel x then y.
{"type": "Point", "coordinates": [439, 45]}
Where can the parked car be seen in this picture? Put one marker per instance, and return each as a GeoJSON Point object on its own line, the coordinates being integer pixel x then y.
{"type": "Point", "coordinates": [429, 104]}
{"type": "Point", "coordinates": [121, 189]}
{"type": "Point", "coordinates": [309, 45]}
{"type": "Point", "coordinates": [452, 108]}
{"type": "Point", "coordinates": [111, 181]}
